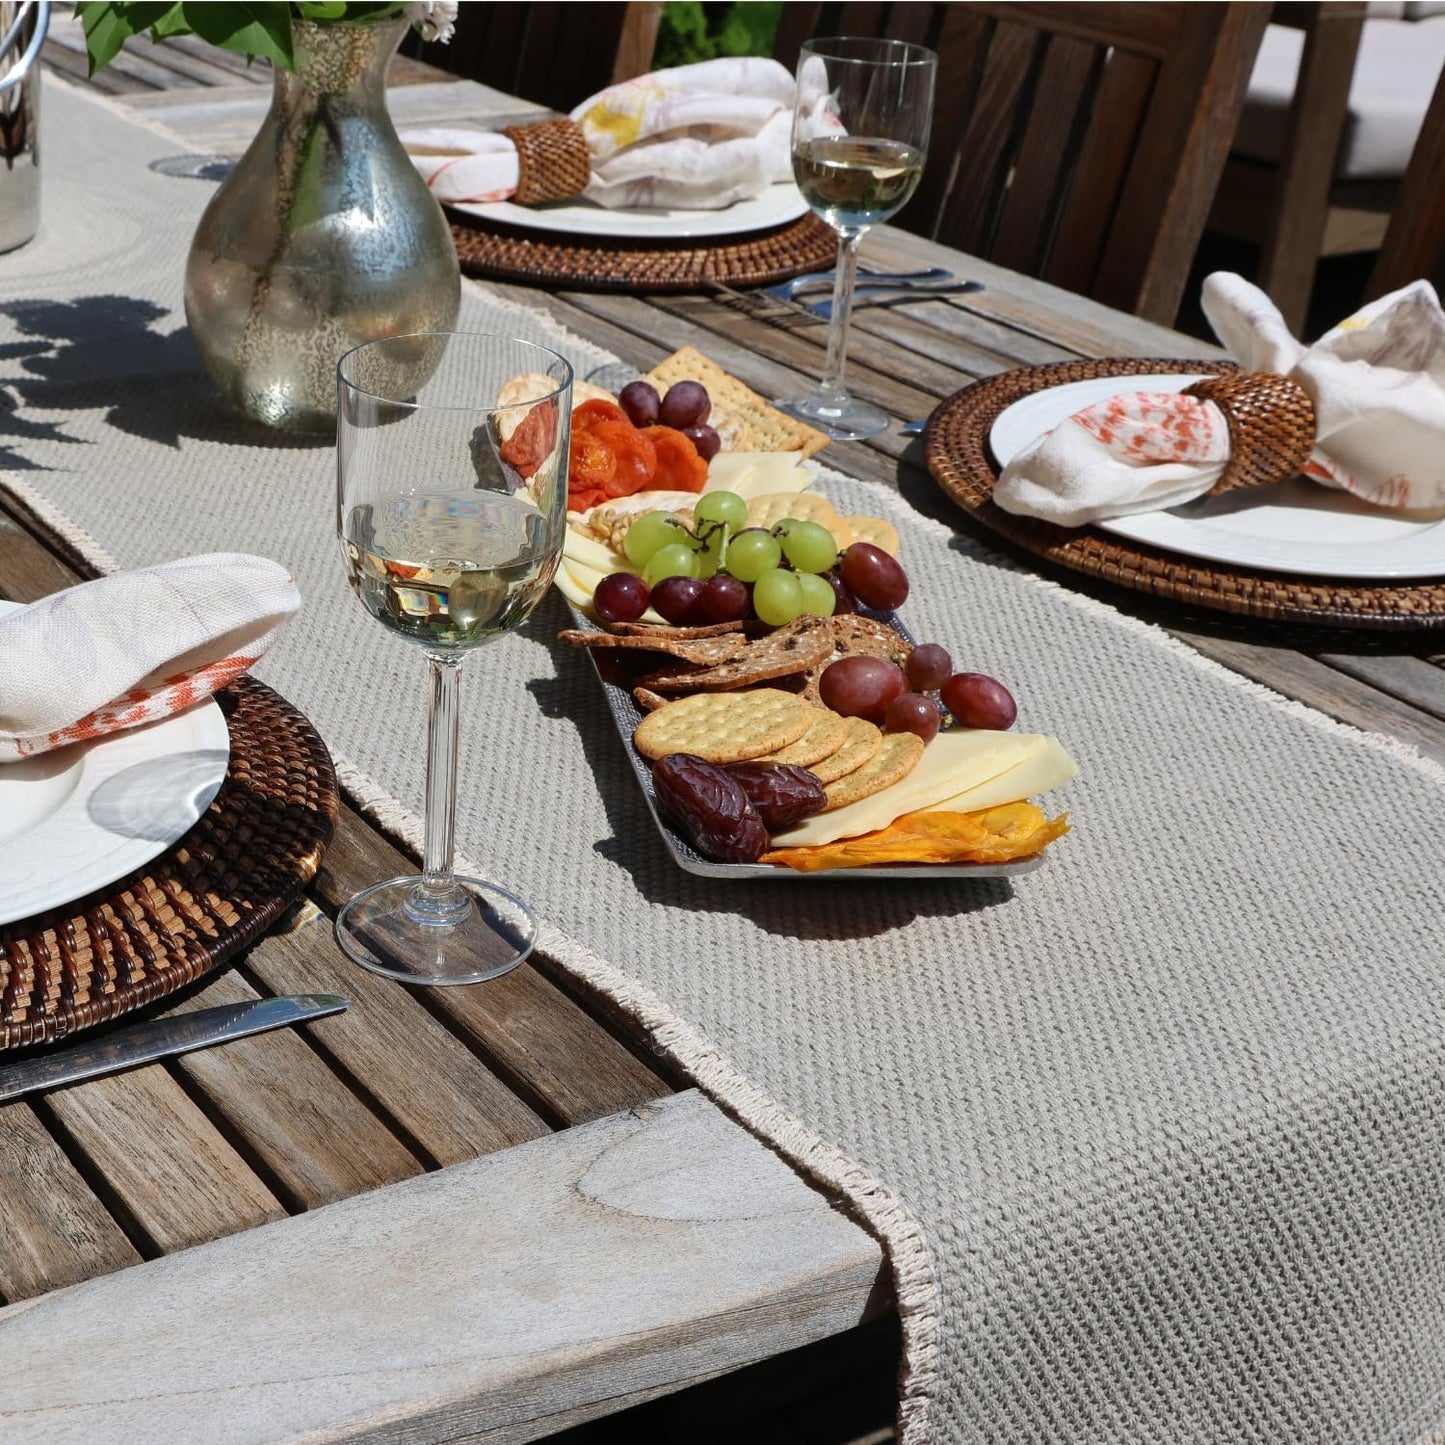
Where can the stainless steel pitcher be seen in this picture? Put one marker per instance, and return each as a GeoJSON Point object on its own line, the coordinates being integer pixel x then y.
{"type": "Point", "coordinates": [22, 33]}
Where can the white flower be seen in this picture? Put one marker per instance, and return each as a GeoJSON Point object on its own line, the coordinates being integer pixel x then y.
{"type": "Point", "coordinates": [433, 21]}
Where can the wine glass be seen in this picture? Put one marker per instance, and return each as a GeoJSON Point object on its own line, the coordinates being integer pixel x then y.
{"type": "Point", "coordinates": [860, 132]}
{"type": "Point", "coordinates": [451, 454]}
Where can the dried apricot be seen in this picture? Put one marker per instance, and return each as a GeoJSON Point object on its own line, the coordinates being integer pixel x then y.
{"type": "Point", "coordinates": [586, 416]}
{"type": "Point", "coordinates": [532, 442]}
{"type": "Point", "coordinates": [679, 467]}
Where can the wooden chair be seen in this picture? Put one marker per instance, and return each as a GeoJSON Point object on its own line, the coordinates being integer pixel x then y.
{"type": "Point", "coordinates": [554, 54]}
{"type": "Point", "coordinates": [1080, 143]}
{"type": "Point", "coordinates": [1414, 246]}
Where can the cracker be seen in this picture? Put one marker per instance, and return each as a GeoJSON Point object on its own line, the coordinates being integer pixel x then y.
{"type": "Point", "coordinates": [724, 728]}
{"type": "Point", "coordinates": [698, 651]}
{"type": "Point", "coordinates": [855, 635]}
{"type": "Point", "coordinates": [770, 430]}
{"type": "Point", "coordinates": [861, 741]}
{"type": "Point", "coordinates": [648, 700]}
{"type": "Point", "coordinates": [793, 648]}
{"type": "Point", "coordinates": [897, 756]}
{"type": "Point", "coordinates": [659, 629]}
{"type": "Point", "coordinates": [770, 509]}
{"type": "Point", "coordinates": [822, 740]}
{"type": "Point", "coordinates": [862, 528]}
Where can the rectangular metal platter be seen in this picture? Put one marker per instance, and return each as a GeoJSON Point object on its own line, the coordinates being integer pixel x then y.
{"type": "Point", "coordinates": [626, 714]}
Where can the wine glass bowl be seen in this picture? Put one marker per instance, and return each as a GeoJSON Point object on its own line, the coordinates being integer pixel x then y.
{"type": "Point", "coordinates": [451, 512]}
{"type": "Point", "coordinates": [860, 134]}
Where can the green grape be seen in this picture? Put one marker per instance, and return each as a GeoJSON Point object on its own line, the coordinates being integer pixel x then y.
{"type": "Point", "coordinates": [676, 559]}
{"type": "Point", "coordinates": [777, 597]}
{"type": "Point", "coordinates": [708, 546]}
{"type": "Point", "coordinates": [809, 546]}
{"type": "Point", "coordinates": [817, 595]}
{"type": "Point", "coordinates": [722, 507]}
{"type": "Point", "coordinates": [651, 531]}
{"type": "Point", "coordinates": [752, 553]}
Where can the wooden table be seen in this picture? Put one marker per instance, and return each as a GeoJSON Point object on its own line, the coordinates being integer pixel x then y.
{"type": "Point", "coordinates": [498, 1101]}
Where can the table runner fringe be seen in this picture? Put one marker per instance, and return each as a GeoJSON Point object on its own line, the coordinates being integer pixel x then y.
{"type": "Point", "coordinates": [54, 520]}
{"type": "Point", "coordinates": [870, 1199]}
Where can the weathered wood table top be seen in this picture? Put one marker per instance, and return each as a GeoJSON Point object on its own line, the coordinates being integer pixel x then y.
{"type": "Point", "coordinates": [468, 1124]}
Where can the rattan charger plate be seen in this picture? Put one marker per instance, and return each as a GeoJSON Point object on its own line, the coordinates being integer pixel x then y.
{"type": "Point", "coordinates": [193, 908]}
{"type": "Point", "coordinates": [806, 244]}
{"type": "Point", "coordinates": [956, 446]}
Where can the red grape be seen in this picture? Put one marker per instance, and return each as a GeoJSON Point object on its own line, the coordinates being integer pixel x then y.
{"type": "Point", "coordinates": [978, 701]}
{"type": "Point", "coordinates": [639, 399]}
{"type": "Point", "coordinates": [861, 686]}
{"type": "Point", "coordinates": [873, 577]}
{"type": "Point", "coordinates": [725, 599]}
{"type": "Point", "coordinates": [844, 598]}
{"type": "Point", "coordinates": [928, 667]}
{"type": "Point", "coordinates": [705, 439]}
{"type": "Point", "coordinates": [686, 404]}
{"type": "Point", "coordinates": [911, 712]}
{"type": "Point", "coordinates": [679, 599]}
{"type": "Point", "coordinates": [620, 597]}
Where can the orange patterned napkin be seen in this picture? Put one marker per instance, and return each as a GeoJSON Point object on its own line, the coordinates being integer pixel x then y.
{"type": "Point", "coordinates": [1378, 386]}
{"type": "Point", "coordinates": [133, 647]}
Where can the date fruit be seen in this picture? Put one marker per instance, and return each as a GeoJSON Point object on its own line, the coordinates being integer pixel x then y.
{"type": "Point", "coordinates": [708, 808]}
{"type": "Point", "coordinates": [781, 793]}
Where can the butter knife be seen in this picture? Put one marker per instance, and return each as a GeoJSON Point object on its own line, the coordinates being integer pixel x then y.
{"type": "Point", "coordinates": [160, 1038]}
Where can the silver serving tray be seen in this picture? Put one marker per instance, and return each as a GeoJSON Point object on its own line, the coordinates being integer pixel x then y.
{"type": "Point", "coordinates": [626, 714]}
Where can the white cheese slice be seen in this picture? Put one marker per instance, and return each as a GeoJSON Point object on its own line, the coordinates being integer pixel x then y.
{"type": "Point", "coordinates": [1047, 766]}
{"type": "Point", "coordinates": [591, 553]}
{"type": "Point", "coordinates": [952, 763]}
{"type": "Point", "coordinates": [573, 591]}
{"type": "Point", "coordinates": [755, 474]}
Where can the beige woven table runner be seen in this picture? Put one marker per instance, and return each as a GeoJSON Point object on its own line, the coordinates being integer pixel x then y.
{"type": "Point", "coordinates": [1155, 1136]}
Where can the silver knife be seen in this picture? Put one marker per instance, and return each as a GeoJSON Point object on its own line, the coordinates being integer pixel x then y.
{"type": "Point", "coordinates": [160, 1038]}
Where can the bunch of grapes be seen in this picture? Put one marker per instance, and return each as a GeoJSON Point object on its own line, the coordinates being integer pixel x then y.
{"type": "Point", "coordinates": [722, 570]}
{"type": "Point", "coordinates": [686, 407]}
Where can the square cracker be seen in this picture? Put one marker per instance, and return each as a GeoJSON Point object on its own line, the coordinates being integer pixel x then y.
{"type": "Point", "coordinates": [767, 428]}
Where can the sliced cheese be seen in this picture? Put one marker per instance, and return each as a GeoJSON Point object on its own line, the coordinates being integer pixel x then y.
{"type": "Point", "coordinates": [592, 553]}
{"type": "Point", "coordinates": [1046, 766]}
{"type": "Point", "coordinates": [577, 595]}
{"type": "Point", "coordinates": [755, 474]}
{"type": "Point", "coordinates": [952, 763]}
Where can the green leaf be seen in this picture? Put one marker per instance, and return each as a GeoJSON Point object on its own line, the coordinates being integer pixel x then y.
{"type": "Point", "coordinates": [322, 10]}
{"type": "Point", "coordinates": [173, 22]}
{"type": "Point", "coordinates": [108, 26]}
{"type": "Point", "coordinates": [250, 28]}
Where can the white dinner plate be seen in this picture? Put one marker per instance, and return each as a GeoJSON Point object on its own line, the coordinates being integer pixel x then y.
{"type": "Point", "coordinates": [78, 818]}
{"type": "Point", "coordinates": [777, 205]}
{"type": "Point", "coordinates": [1296, 526]}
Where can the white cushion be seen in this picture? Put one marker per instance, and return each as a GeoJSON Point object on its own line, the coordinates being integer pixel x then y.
{"type": "Point", "coordinates": [1396, 70]}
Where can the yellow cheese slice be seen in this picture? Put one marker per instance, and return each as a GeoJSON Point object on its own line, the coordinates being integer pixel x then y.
{"type": "Point", "coordinates": [591, 553]}
{"type": "Point", "coordinates": [952, 763]}
{"type": "Point", "coordinates": [1046, 766]}
{"type": "Point", "coordinates": [576, 594]}
{"type": "Point", "coordinates": [755, 474]}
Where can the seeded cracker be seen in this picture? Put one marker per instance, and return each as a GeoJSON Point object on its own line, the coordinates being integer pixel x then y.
{"type": "Point", "coordinates": [790, 649]}
{"type": "Point", "coordinates": [724, 728]}
{"type": "Point", "coordinates": [893, 761]}
{"type": "Point", "coordinates": [822, 740]}
{"type": "Point", "coordinates": [861, 742]}
{"type": "Point", "coordinates": [767, 428]}
{"type": "Point", "coordinates": [698, 651]}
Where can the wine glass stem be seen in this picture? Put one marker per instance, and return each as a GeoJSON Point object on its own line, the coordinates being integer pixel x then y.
{"type": "Point", "coordinates": [437, 899]}
{"type": "Point", "coordinates": [844, 273]}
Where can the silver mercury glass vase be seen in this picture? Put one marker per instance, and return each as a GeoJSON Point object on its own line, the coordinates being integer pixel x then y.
{"type": "Point", "coordinates": [323, 237]}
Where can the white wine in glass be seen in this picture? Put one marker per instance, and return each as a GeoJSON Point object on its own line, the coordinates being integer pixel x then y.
{"type": "Point", "coordinates": [451, 510]}
{"type": "Point", "coordinates": [860, 134]}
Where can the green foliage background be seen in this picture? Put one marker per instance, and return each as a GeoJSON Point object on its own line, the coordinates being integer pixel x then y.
{"type": "Point", "coordinates": [694, 31]}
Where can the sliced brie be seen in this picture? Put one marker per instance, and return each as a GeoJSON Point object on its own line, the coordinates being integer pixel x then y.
{"type": "Point", "coordinates": [1047, 766]}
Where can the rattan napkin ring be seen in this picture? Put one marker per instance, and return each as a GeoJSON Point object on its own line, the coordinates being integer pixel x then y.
{"type": "Point", "coordinates": [553, 159]}
{"type": "Point", "coordinates": [1271, 426]}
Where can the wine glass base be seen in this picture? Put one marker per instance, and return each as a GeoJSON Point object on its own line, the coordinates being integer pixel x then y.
{"type": "Point", "coordinates": [489, 933]}
{"type": "Point", "coordinates": [844, 418]}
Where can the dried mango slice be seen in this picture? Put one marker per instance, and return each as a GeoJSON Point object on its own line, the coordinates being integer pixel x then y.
{"type": "Point", "coordinates": [995, 835]}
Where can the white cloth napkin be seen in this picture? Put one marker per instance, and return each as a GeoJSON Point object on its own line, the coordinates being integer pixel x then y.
{"type": "Point", "coordinates": [132, 647]}
{"type": "Point", "coordinates": [696, 137]}
{"type": "Point", "coordinates": [1377, 382]}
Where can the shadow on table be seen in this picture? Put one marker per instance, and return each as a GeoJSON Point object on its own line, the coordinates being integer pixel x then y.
{"type": "Point", "coordinates": [793, 906]}
{"type": "Point", "coordinates": [106, 353]}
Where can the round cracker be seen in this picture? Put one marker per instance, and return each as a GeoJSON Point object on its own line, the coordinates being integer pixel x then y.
{"type": "Point", "coordinates": [861, 740]}
{"type": "Point", "coordinates": [895, 759]}
{"type": "Point", "coordinates": [770, 509]}
{"type": "Point", "coordinates": [724, 727]}
{"type": "Point", "coordinates": [827, 734]}
{"type": "Point", "coordinates": [863, 528]}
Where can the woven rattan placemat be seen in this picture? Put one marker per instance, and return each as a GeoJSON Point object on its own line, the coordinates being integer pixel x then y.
{"type": "Point", "coordinates": [192, 908]}
{"type": "Point", "coordinates": [807, 244]}
{"type": "Point", "coordinates": [956, 445]}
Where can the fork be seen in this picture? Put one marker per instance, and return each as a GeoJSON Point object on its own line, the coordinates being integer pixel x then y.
{"type": "Point", "coordinates": [786, 290]}
{"type": "Point", "coordinates": [823, 307]}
